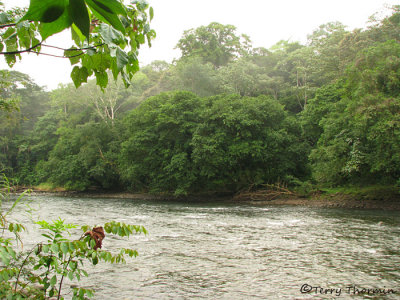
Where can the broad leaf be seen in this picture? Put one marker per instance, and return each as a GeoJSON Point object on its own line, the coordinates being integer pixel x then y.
{"type": "Point", "coordinates": [101, 79]}
{"type": "Point", "coordinates": [80, 16]}
{"type": "Point", "coordinates": [77, 35]}
{"type": "Point", "coordinates": [73, 55]}
{"type": "Point", "coordinates": [79, 75]}
{"type": "Point", "coordinates": [45, 10]}
{"type": "Point", "coordinates": [106, 16]}
{"type": "Point", "coordinates": [122, 59]}
{"type": "Point", "coordinates": [151, 13]}
{"type": "Point", "coordinates": [64, 248]}
{"type": "Point", "coordinates": [110, 35]}
{"type": "Point", "coordinates": [63, 22]}
{"type": "Point", "coordinates": [111, 6]}
{"type": "Point", "coordinates": [53, 280]}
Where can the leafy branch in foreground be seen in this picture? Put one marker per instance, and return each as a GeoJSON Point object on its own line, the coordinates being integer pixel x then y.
{"type": "Point", "coordinates": [40, 272]}
{"type": "Point", "coordinates": [106, 33]}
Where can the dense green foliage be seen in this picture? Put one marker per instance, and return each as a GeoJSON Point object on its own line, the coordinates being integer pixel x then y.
{"type": "Point", "coordinates": [179, 142]}
{"type": "Point", "coordinates": [222, 118]}
{"type": "Point", "coordinates": [106, 33]}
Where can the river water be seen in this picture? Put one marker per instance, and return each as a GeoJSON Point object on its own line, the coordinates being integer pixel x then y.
{"type": "Point", "coordinates": [217, 250]}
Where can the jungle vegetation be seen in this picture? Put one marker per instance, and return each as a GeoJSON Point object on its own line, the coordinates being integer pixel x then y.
{"type": "Point", "coordinates": [223, 117]}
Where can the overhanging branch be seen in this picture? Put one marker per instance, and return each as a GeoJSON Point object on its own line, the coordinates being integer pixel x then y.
{"type": "Point", "coordinates": [29, 50]}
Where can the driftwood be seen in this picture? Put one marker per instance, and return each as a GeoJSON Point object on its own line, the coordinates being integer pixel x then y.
{"type": "Point", "coordinates": [266, 192]}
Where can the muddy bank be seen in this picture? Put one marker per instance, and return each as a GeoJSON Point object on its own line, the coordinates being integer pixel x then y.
{"type": "Point", "coordinates": [338, 200]}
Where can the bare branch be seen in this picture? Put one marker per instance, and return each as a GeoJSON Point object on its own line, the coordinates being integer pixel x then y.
{"type": "Point", "coordinates": [7, 25]}
{"type": "Point", "coordinates": [22, 51]}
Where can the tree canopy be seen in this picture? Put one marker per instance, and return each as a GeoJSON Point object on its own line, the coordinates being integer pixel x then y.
{"type": "Point", "coordinates": [325, 113]}
{"type": "Point", "coordinates": [216, 44]}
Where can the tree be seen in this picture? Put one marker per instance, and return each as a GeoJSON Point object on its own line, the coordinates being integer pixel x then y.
{"type": "Point", "coordinates": [193, 75]}
{"type": "Point", "coordinates": [156, 152]}
{"type": "Point", "coordinates": [361, 137]}
{"type": "Point", "coordinates": [240, 142]}
{"type": "Point", "coordinates": [215, 43]}
{"type": "Point", "coordinates": [106, 34]}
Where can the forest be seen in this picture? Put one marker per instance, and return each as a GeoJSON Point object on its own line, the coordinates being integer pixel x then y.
{"type": "Point", "coordinates": [223, 117]}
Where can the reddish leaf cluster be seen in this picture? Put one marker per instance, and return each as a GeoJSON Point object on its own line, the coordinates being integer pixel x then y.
{"type": "Point", "coordinates": [97, 233]}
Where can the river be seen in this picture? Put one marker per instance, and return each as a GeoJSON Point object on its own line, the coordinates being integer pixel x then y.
{"type": "Point", "coordinates": [212, 250]}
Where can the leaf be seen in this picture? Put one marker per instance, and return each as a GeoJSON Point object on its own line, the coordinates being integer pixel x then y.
{"type": "Point", "coordinates": [106, 16]}
{"type": "Point", "coordinates": [142, 5]}
{"type": "Point", "coordinates": [111, 6]}
{"type": "Point", "coordinates": [73, 55]}
{"type": "Point", "coordinates": [101, 79]}
{"type": "Point", "coordinates": [10, 59]}
{"type": "Point", "coordinates": [125, 79]}
{"type": "Point", "coordinates": [77, 35]}
{"type": "Point", "coordinates": [71, 275]}
{"type": "Point", "coordinates": [53, 280]}
{"type": "Point", "coordinates": [151, 13]}
{"type": "Point", "coordinates": [110, 35]}
{"type": "Point", "coordinates": [122, 59]}
{"type": "Point", "coordinates": [63, 22]}
{"type": "Point", "coordinates": [79, 75]}
{"type": "Point", "coordinates": [80, 16]}
{"type": "Point", "coordinates": [4, 18]}
{"type": "Point", "coordinates": [64, 248]}
{"type": "Point", "coordinates": [46, 11]}
{"type": "Point", "coordinates": [24, 37]}
{"type": "Point", "coordinates": [114, 69]}
{"type": "Point", "coordinates": [54, 248]}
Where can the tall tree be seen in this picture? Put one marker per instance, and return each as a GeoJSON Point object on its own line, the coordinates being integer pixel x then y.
{"type": "Point", "coordinates": [215, 43]}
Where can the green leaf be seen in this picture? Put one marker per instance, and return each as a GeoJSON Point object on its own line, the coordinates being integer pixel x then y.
{"type": "Point", "coordinates": [114, 69]}
{"type": "Point", "coordinates": [71, 275]}
{"type": "Point", "coordinates": [106, 16]}
{"type": "Point", "coordinates": [24, 37]}
{"type": "Point", "coordinates": [64, 248]}
{"type": "Point", "coordinates": [142, 5]}
{"type": "Point", "coordinates": [45, 248]}
{"type": "Point", "coordinates": [101, 79]}
{"type": "Point", "coordinates": [122, 59]}
{"type": "Point", "coordinates": [80, 16]}
{"type": "Point", "coordinates": [4, 18]}
{"type": "Point", "coordinates": [10, 59]}
{"type": "Point", "coordinates": [77, 35]}
{"type": "Point", "coordinates": [79, 75]}
{"type": "Point", "coordinates": [54, 248]}
{"type": "Point", "coordinates": [151, 12]}
{"type": "Point", "coordinates": [73, 55]}
{"type": "Point", "coordinates": [110, 35]}
{"type": "Point", "coordinates": [63, 22]}
{"type": "Point", "coordinates": [9, 32]}
{"type": "Point", "coordinates": [46, 11]}
{"type": "Point", "coordinates": [111, 6]}
{"type": "Point", "coordinates": [53, 280]}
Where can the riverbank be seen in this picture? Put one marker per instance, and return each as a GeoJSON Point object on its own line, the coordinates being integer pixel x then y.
{"type": "Point", "coordinates": [387, 198]}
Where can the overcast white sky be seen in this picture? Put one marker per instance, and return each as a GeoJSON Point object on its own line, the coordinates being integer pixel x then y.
{"type": "Point", "coordinates": [265, 21]}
